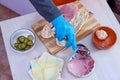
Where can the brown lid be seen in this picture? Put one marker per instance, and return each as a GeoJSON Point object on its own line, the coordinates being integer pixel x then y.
{"type": "Point", "coordinates": [107, 42]}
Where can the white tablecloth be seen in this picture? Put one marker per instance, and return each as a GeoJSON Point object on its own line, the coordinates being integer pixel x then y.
{"type": "Point", "coordinates": [107, 65]}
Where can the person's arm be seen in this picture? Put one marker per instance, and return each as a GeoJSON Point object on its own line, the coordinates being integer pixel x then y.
{"type": "Point", "coordinates": [63, 28]}
{"type": "Point", "coordinates": [46, 8]}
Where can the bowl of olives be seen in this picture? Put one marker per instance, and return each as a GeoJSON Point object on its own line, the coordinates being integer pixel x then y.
{"type": "Point", "coordinates": [22, 40]}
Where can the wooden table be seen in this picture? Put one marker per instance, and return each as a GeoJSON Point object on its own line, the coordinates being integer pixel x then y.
{"type": "Point", "coordinates": [5, 72]}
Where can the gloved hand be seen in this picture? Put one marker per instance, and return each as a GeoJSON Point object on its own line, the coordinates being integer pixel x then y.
{"type": "Point", "coordinates": [65, 30]}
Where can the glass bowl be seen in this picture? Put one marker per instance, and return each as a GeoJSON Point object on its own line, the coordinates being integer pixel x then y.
{"type": "Point", "coordinates": [22, 32]}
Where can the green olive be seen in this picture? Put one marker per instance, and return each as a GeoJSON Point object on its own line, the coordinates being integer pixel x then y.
{"type": "Point", "coordinates": [30, 37]}
{"type": "Point", "coordinates": [18, 41]}
{"type": "Point", "coordinates": [29, 43]}
{"type": "Point", "coordinates": [16, 45]}
{"type": "Point", "coordinates": [26, 40]}
{"type": "Point", "coordinates": [19, 47]}
{"type": "Point", "coordinates": [27, 47]}
{"type": "Point", "coordinates": [23, 45]}
{"type": "Point", "coordinates": [21, 38]}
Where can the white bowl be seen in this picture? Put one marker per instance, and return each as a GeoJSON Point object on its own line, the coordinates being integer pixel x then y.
{"type": "Point", "coordinates": [23, 32]}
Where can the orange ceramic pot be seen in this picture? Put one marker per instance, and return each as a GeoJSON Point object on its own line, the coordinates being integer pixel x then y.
{"type": "Point", "coordinates": [108, 42]}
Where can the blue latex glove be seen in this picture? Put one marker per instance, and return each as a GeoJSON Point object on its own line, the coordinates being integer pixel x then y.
{"type": "Point", "coordinates": [65, 30]}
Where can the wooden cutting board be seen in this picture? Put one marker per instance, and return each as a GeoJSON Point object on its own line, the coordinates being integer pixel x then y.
{"type": "Point", "coordinates": [50, 43]}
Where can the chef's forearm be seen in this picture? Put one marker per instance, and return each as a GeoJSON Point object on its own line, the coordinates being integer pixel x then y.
{"type": "Point", "coordinates": [46, 8]}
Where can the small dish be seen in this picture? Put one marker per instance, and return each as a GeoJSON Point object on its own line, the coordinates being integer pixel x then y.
{"type": "Point", "coordinates": [81, 64]}
{"type": "Point", "coordinates": [25, 33]}
{"type": "Point", "coordinates": [82, 50]}
{"type": "Point", "coordinates": [108, 42]}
